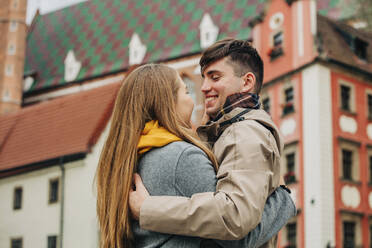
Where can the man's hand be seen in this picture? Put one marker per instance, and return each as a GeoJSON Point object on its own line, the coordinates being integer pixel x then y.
{"type": "Point", "coordinates": [137, 197]}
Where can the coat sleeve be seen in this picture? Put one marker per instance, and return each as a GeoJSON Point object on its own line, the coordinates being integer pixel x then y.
{"type": "Point", "coordinates": [244, 180]}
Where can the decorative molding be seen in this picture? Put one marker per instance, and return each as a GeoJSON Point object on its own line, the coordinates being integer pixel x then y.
{"type": "Point", "coordinates": [348, 124]}
{"type": "Point", "coordinates": [350, 141]}
{"type": "Point", "coordinates": [276, 20]}
{"type": "Point", "coordinates": [208, 31]}
{"type": "Point", "coordinates": [350, 196]}
{"type": "Point", "coordinates": [72, 66]}
{"type": "Point", "coordinates": [370, 200]}
{"type": "Point", "coordinates": [369, 131]}
{"type": "Point", "coordinates": [137, 50]}
{"type": "Point", "coordinates": [288, 127]}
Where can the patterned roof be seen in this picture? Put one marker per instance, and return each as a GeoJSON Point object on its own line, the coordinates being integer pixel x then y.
{"type": "Point", "coordinates": [337, 9]}
{"type": "Point", "coordinates": [99, 32]}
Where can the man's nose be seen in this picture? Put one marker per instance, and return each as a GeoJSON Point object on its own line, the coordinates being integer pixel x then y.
{"type": "Point", "coordinates": [206, 86]}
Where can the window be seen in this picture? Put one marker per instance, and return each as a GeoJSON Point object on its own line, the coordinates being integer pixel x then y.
{"type": "Point", "coordinates": [190, 86]}
{"type": "Point", "coordinates": [17, 198]}
{"type": "Point", "coordinates": [370, 169]}
{"type": "Point", "coordinates": [13, 26]}
{"type": "Point", "coordinates": [16, 243]}
{"type": "Point", "coordinates": [53, 190]}
{"type": "Point", "coordinates": [52, 241]}
{"type": "Point", "coordinates": [290, 176]}
{"type": "Point", "coordinates": [15, 4]}
{"type": "Point", "coordinates": [266, 104]}
{"type": "Point", "coordinates": [357, 45]}
{"type": "Point", "coordinates": [11, 49]}
{"type": "Point", "coordinates": [278, 39]}
{"type": "Point", "coordinates": [289, 99]}
{"type": "Point", "coordinates": [347, 158]}
{"type": "Point", "coordinates": [291, 235]}
{"type": "Point", "coordinates": [349, 234]}
{"type": "Point", "coordinates": [345, 97]}
{"type": "Point", "coordinates": [369, 102]}
{"type": "Point", "coordinates": [9, 70]}
{"type": "Point", "coordinates": [277, 48]}
{"type": "Point", "coordinates": [360, 48]}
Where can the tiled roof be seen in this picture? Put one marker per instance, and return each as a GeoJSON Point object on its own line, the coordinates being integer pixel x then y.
{"type": "Point", "coordinates": [64, 126]}
{"type": "Point", "coordinates": [337, 9]}
{"type": "Point", "coordinates": [99, 32]}
{"type": "Point", "coordinates": [333, 45]}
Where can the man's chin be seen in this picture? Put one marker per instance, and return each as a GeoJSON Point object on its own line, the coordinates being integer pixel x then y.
{"type": "Point", "coordinates": [212, 114]}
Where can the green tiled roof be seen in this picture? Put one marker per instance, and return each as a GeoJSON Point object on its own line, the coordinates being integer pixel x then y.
{"type": "Point", "coordinates": [99, 32]}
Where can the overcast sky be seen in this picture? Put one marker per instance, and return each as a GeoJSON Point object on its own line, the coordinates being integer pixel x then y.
{"type": "Point", "coordinates": [46, 6]}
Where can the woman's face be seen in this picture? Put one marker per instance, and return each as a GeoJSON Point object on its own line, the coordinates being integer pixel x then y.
{"type": "Point", "coordinates": [184, 104]}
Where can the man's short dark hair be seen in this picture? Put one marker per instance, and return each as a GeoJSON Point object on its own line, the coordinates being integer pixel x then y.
{"type": "Point", "coordinates": [242, 56]}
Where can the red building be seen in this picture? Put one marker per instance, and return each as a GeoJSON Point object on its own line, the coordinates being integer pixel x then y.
{"type": "Point", "coordinates": [318, 89]}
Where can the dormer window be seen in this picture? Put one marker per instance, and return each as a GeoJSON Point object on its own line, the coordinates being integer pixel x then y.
{"type": "Point", "coordinates": [72, 67]}
{"type": "Point", "coordinates": [357, 45]}
{"type": "Point", "coordinates": [137, 50]}
{"type": "Point", "coordinates": [208, 31]}
{"type": "Point", "coordinates": [360, 48]}
{"type": "Point", "coordinates": [27, 83]}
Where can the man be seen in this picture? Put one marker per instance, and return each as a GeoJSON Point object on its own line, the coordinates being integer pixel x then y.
{"type": "Point", "coordinates": [246, 143]}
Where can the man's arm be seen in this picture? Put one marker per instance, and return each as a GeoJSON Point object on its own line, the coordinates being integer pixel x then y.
{"type": "Point", "coordinates": [230, 213]}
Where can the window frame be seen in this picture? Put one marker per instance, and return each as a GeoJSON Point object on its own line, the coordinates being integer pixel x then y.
{"type": "Point", "coordinates": [368, 107]}
{"type": "Point", "coordinates": [16, 207]}
{"type": "Point", "coordinates": [276, 50]}
{"type": "Point", "coordinates": [49, 238]}
{"type": "Point", "coordinates": [353, 224]}
{"type": "Point", "coordinates": [13, 239]}
{"type": "Point", "coordinates": [343, 83]}
{"type": "Point", "coordinates": [290, 149]}
{"type": "Point", "coordinates": [51, 181]}
{"type": "Point", "coordinates": [355, 167]}
{"type": "Point", "coordinates": [288, 107]}
{"type": "Point", "coordinates": [291, 245]}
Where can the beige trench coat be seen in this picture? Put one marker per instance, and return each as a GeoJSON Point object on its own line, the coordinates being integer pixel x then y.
{"type": "Point", "coordinates": [248, 152]}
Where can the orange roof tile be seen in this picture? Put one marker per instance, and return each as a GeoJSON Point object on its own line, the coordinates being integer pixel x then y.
{"type": "Point", "coordinates": [64, 126]}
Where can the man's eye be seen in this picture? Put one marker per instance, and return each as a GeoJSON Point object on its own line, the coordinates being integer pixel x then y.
{"type": "Point", "coordinates": [215, 78]}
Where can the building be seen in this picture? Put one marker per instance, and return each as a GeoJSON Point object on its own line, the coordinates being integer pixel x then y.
{"type": "Point", "coordinates": [317, 88]}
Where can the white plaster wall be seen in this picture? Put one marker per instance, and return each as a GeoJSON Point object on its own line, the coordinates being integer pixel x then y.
{"type": "Point", "coordinates": [37, 218]}
{"type": "Point", "coordinates": [80, 220]}
{"type": "Point", "coordinates": [318, 160]}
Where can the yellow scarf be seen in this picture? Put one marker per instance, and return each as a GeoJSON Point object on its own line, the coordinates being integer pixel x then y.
{"type": "Point", "coordinates": [154, 136]}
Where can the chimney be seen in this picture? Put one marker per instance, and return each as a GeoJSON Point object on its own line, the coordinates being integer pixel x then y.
{"type": "Point", "coordinates": [12, 53]}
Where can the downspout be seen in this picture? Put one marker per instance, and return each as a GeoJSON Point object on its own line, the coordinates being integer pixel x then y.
{"type": "Point", "coordinates": [61, 218]}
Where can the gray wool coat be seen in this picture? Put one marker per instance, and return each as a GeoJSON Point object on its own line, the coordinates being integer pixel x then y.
{"type": "Point", "coordinates": [182, 169]}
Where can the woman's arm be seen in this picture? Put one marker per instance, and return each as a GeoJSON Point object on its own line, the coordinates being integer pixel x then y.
{"type": "Point", "coordinates": [195, 174]}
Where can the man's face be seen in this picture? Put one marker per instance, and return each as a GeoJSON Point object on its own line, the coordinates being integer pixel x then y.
{"type": "Point", "coordinates": [220, 82]}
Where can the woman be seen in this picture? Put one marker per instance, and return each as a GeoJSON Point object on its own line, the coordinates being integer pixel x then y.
{"type": "Point", "coordinates": [151, 133]}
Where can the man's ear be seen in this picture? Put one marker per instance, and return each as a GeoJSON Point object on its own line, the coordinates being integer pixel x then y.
{"type": "Point", "coordinates": [249, 82]}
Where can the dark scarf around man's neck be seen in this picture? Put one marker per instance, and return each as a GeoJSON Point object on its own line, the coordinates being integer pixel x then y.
{"type": "Point", "coordinates": [239, 100]}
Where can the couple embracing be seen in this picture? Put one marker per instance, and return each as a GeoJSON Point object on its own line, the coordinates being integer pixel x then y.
{"type": "Point", "coordinates": [217, 187]}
